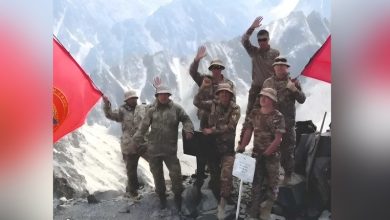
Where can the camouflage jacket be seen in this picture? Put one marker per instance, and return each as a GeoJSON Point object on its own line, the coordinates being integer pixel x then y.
{"type": "Point", "coordinates": [222, 120]}
{"type": "Point", "coordinates": [163, 121]}
{"type": "Point", "coordinates": [206, 94]}
{"type": "Point", "coordinates": [130, 118]}
{"type": "Point", "coordinates": [264, 127]}
{"type": "Point", "coordinates": [262, 59]}
{"type": "Point", "coordinates": [286, 99]}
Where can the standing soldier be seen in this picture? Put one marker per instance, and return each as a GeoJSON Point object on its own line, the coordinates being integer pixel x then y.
{"type": "Point", "coordinates": [130, 115]}
{"type": "Point", "coordinates": [210, 85]}
{"type": "Point", "coordinates": [262, 59]}
{"type": "Point", "coordinates": [222, 121]}
{"type": "Point", "coordinates": [267, 123]}
{"type": "Point", "coordinates": [288, 92]}
{"type": "Point", "coordinates": [163, 118]}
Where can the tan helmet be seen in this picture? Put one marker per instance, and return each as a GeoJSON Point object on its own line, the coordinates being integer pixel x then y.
{"type": "Point", "coordinates": [161, 89]}
{"type": "Point", "coordinates": [281, 61]}
{"type": "Point", "coordinates": [270, 93]}
{"type": "Point", "coordinates": [216, 62]}
{"type": "Point", "coordinates": [130, 94]}
{"type": "Point", "coordinates": [226, 87]}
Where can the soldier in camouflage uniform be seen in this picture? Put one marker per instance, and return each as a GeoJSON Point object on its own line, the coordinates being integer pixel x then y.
{"type": "Point", "coordinates": [268, 125]}
{"type": "Point", "coordinates": [222, 121]}
{"type": "Point", "coordinates": [129, 115]}
{"type": "Point", "coordinates": [163, 118]}
{"type": "Point", "coordinates": [262, 58]}
{"type": "Point", "coordinates": [288, 91]}
{"type": "Point", "coordinates": [209, 85]}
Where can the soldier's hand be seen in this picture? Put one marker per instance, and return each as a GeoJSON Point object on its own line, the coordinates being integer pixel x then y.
{"type": "Point", "coordinates": [157, 82]}
{"type": "Point", "coordinates": [106, 100]}
{"type": "Point", "coordinates": [188, 135]}
{"type": "Point", "coordinates": [257, 22]}
{"type": "Point", "coordinates": [207, 131]}
{"type": "Point", "coordinates": [201, 53]}
{"type": "Point", "coordinates": [269, 151]}
{"type": "Point", "coordinates": [240, 149]}
{"type": "Point", "coordinates": [291, 86]}
{"type": "Point", "coordinates": [297, 83]}
{"type": "Point", "coordinates": [206, 82]}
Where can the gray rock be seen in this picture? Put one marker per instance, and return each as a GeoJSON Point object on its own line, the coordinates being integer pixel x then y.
{"type": "Point", "coordinates": [207, 217]}
{"type": "Point", "coordinates": [61, 188]}
{"type": "Point", "coordinates": [208, 201]}
{"type": "Point", "coordinates": [189, 202]}
{"type": "Point", "coordinates": [125, 209]}
{"type": "Point", "coordinates": [107, 195]}
{"type": "Point", "coordinates": [92, 199]}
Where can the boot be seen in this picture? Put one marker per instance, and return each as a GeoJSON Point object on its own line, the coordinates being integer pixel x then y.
{"type": "Point", "coordinates": [163, 201]}
{"type": "Point", "coordinates": [221, 209]}
{"type": "Point", "coordinates": [134, 195]}
{"type": "Point", "coordinates": [178, 201]}
{"type": "Point", "coordinates": [265, 210]}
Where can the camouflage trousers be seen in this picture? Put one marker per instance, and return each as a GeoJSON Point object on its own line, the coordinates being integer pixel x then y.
{"type": "Point", "coordinates": [287, 151]}
{"type": "Point", "coordinates": [173, 165]}
{"type": "Point", "coordinates": [253, 100]}
{"type": "Point", "coordinates": [131, 162]}
{"type": "Point", "coordinates": [265, 183]}
{"type": "Point", "coordinates": [221, 179]}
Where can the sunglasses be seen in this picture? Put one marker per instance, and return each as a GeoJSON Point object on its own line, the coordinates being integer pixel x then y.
{"type": "Point", "coordinates": [281, 60]}
{"type": "Point", "coordinates": [262, 39]}
{"type": "Point", "coordinates": [216, 67]}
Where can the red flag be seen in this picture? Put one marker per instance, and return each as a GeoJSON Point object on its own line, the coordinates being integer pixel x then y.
{"type": "Point", "coordinates": [24, 80]}
{"type": "Point", "coordinates": [74, 93]}
{"type": "Point", "coordinates": [319, 66]}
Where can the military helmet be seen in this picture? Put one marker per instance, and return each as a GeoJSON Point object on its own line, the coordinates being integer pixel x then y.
{"type": "Point", "coordinates": [130, 94]}
{"type": "Point", "coordinates": [161, 89]}
{"type": "Point", "coordinates": [216, 62]}
{"type": "Point", "coordinates": [281, 61]}
{"type": "Point", "coordinates": [270, 93]}
{"type": "Point", "coordinates": [226, 87]}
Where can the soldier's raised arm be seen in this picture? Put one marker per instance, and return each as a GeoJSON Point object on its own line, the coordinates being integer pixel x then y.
{"type": "Point", "coordinates": [115, 115]}
{"type": "Point", "coordinates": [250, 49]}
{"type": "Point", "coordinates": [196, 76]}
{"type": "Point", "coordinates": [198, 102]}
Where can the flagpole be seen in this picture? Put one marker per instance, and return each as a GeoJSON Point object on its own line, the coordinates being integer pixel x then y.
{"type": "Point", "coordinates": [239, 199]}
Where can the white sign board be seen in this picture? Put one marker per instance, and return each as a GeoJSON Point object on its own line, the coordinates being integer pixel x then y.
{"type": "Point", "coordinates": [244, 167]}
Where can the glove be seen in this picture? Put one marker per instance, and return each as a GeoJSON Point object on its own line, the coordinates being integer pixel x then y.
{"type": "Point", "coordinates": [291, 86]}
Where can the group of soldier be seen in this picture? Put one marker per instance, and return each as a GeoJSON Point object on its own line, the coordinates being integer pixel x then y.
{"type": "Point", "coordinates": [152, 131]}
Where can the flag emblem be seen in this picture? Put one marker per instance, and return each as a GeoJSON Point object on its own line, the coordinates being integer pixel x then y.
{"type": "Point", "coordinates": [60, 108]}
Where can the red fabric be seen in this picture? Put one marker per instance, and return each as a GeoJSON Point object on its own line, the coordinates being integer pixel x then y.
{"type": "Point", "coordinates": [371, 59]}
{"type": "Point", "coordinates": [24, 81]}
{"type": "Point", "coordinates": [73, 93]}
{"type": "Point", "coordinates": [319, 66]}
